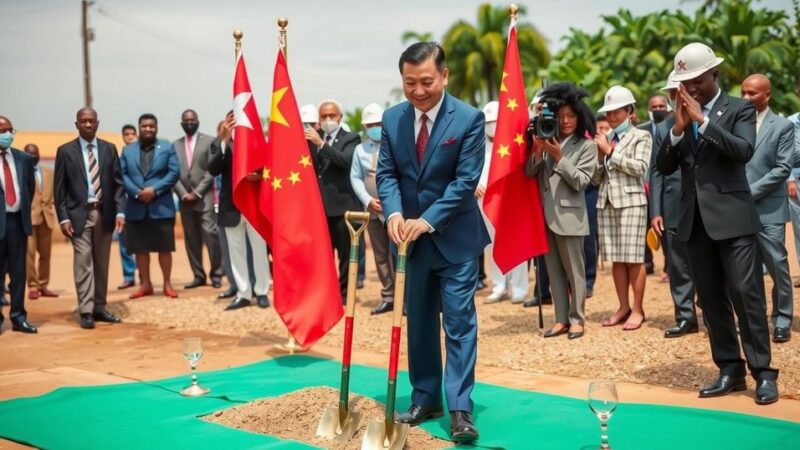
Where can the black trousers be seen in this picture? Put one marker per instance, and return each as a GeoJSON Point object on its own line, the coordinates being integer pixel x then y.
{"type": "Point", "coordinates": [728, 280]}
{"type": "Point", "coordinates": [13, 254]}
{"type": "Point", "coordinates": [340, 239]}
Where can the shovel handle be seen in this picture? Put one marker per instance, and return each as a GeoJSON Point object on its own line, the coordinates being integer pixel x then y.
{"type": "Point", "coordinates": [397, 322]}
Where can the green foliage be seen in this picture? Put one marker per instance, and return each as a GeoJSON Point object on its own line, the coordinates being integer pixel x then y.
{"type": "Point", "coordinates": [353, 120]}
{"type": "Point", "coordinates": [637, 51]}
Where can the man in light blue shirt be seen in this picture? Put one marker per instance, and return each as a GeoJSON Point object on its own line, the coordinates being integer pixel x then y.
{"type": "Point", "coordinates": [362, 178]}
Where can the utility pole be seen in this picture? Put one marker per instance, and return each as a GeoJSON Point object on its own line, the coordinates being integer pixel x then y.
{"type": "Point", "coordinates": [87, 35]}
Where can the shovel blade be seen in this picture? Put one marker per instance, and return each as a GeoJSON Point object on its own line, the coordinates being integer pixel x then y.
{"type": "Point", "coordinates": [376, 439]}
{"type": "Point", "coordinates": [330, 428]}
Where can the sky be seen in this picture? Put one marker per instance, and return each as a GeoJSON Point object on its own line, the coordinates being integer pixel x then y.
{"type": "Point", "coordinates": [164, 56]}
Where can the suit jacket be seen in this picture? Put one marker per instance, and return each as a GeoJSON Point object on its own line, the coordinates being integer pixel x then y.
{"type": "Point", "coordinates": [440, 190]}
{"type": "Point", "coordinates": [162, 176]}
{"type": "Point", "coordinates": [332, 164]}
{"type": "Point", "coordinates": [664, 189]}
{"type": "Point", "coordinates": [43, 208]}
{"type": "Point", "coordinates": [195, 177]}
{"type": "Point", "coordinates": [621, 177]}
{"type": "Point", "coordinates": [222, 164]}
{"type": "Point", "coordinates": [72, 185]}
{"type": "Point", "coordinates": [770, 167]}
{"type": "Point", "coordinates": [562, 185]}
{"type": "Point", "coordinates": [713, 176]}
{"type": "Point", "coordinates": [24, 166]}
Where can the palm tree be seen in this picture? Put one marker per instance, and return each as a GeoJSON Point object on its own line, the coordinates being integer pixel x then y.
{"type": "Point", "coordinates": [475, 53]}
{"type": "Point", "coordinates": [413, 36]}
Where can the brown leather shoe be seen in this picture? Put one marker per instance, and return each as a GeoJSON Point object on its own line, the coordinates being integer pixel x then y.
{"type": "Point", "coordinates": [47, 293]}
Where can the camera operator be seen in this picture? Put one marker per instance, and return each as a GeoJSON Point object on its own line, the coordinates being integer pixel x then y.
{"type": "Point", "coordinates": [623, 159]}
{"type": "Point", "coordinates": [563, 161]}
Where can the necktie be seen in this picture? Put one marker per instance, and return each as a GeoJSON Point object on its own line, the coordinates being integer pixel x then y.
{"type": "Point", "coordinates": [614, 141]}
{"type": "Point", "coordinates": [11, 193]}
{"type": "Point", "coordinates": [422, 138]}
{"type": "Point", "coordinates": [328, 140]}
{"type": "Point", "coordinates": [189, 151]}
{"type": "Point", "coordinates": [94, 173]}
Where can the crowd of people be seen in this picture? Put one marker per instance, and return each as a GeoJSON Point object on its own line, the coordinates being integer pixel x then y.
{"type": "Point", "coordinates": [712, 176]}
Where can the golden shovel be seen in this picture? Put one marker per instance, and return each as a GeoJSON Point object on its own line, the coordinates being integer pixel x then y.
{"type": "Point", "coordinates": [338, 422]}
{"type": "Point", "coordinates": [387, 434]}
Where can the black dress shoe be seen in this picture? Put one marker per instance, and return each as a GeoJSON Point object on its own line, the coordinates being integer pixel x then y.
{"type": "Point", "coordinates": [237, 303]}
{"type": "Point", "coordinates": [216, 283]}
{"type": "Point", "coordinates": [195, 284]}
{"type": "Point", "coordinates": [126, 285]}
{"type": "Point", "coordinates": [105, 316]}
{"type": "Point", "coordinates": [683, 328]}
{"type": "Point", "coordinates": [21, 324]}
{"type": "Point", "coordinates": [535, 302]}
{"type": "Point", "coordinates": [766, 392]}
{"type": "Point", "coordinates": [384, 307]}
{"type": "Point", "coordinates": [263, 301]}
{"type": "Point", "coordinates": [575, 335]}
{"type": "Point", "coordinates": [781, 334]}
{"type": "Point", "coordinates": [230, 293]}
{"type": "Point", "coordinates": [87, 321]}
{"type": "Point", "coordinates": [417, 414]}
{"type": "Point", "coordinates": [725, 384]}
{"type": "Point", "coordinates": [462, 429]}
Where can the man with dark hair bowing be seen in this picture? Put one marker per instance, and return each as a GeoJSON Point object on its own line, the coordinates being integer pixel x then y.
{"type": "Point", "coordinates": [431, 156]}
{"type": "Point", "coordinates": [711, 141]}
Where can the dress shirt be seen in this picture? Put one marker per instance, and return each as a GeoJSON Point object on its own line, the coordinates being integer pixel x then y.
{"type": "Point", "coordinates": [90, 196]}
{"type": "Point", "coordinates": [15, 177]}
{"type": "Point", "coordinates": [37, 173]}
{"type": "Point", "coordinates": [362, 163]}
{"type": "Point", "coordinates": [760, 118]}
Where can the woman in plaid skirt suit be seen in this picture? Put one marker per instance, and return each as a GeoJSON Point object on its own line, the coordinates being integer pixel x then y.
{"type": "Point", "coordinates": [623, 158]}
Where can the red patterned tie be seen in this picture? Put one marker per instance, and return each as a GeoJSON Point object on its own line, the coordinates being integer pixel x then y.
{"type": "Point", "coordinates": [422, 138]}
{"type": "Point", "coordinates": [11, 193]}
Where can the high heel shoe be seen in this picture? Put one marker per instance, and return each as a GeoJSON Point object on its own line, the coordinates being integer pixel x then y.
{"type": "Point", "coordinates": [169, 292]}
{"type": "Point", "coordinates": [620, 321]}
{"type": "Point", "coordinates": [553, 333]}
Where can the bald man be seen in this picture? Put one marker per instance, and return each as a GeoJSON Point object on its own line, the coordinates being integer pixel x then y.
{"type": "Point", "coordinates": [89, 205]}
{"type": "Point", "coordinates": [767, 172]}
{"type": "Point", "coordinates": [16, 193]}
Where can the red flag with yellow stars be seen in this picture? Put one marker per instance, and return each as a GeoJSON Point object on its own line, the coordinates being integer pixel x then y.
{"type": "Point", "coordinates": [306, 289]}
{"type": "Point", "coordinates": [512, 202]}
{"type": "Point", "coordinates": [249, 152]}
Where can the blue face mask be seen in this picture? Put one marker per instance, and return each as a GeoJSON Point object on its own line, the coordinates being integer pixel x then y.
{"type": "Point", "coordinates": [374, 133]}
{"type": "Point", "coordinates": [622, 127]}
{"type": "Point", "coordinates": [6, 139]}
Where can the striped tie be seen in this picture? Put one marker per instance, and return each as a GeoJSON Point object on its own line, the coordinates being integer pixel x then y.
{"type": "Point", "coordinates": [94, 173]}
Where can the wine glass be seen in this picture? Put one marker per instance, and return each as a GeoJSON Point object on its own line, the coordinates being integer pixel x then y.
{"type": "Point", "coordinates": [193, 351]}
{"type": "Point", "coordinates": [603, 401]}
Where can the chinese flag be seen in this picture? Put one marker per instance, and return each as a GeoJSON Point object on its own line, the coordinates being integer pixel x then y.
{"type": "Point", "coordinates": [512, 201]}
{"type": "Point", "coordinates": [306, 289]}
{"type": "Point", "coordinates": [249, 152]}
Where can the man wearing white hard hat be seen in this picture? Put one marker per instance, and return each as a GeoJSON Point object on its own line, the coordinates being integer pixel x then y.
{"type": "Point", "coordinates": [516, 280]}
{"type": "Point", "coordinates": [362, 178]}
{"type": "Point", "coordinates": [622, 163]}
{"type": "Point", "coordinates": [767, 171]}
{"type": "Point", "coordinates": [665, 194]}
{"type": "Point", "coordinates": [711, 141]}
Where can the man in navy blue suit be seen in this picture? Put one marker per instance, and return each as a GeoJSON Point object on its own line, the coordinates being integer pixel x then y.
{"type": "Point", "coordinates": [16, 193]}
{"type": "Point", "coordinates": [432, 152]}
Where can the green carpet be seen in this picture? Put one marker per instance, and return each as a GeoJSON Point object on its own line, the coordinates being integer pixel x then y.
{"type": "Point", "coordinates": [151, 415]}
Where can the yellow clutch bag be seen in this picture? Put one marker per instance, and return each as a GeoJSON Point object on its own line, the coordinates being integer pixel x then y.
{"type": "Point", "coordinates": [652, 240]}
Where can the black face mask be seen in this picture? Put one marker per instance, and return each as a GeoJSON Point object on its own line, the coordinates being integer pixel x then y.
{"type": "Point", "coordinates": [659, 115]}
{"type": "Point", "coordinates": [190, 128]}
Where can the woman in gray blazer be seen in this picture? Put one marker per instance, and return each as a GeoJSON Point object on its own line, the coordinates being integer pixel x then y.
{"type": "Point", "coordinates": [623, 157]}
{"type": "Point", "coordinates": [564, 166]}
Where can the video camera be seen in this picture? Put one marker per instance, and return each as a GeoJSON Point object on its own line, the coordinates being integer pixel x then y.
{"type": "Point", "coordinates": [544, 123]}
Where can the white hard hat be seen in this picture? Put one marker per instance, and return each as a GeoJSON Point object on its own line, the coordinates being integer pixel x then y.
{"type": "Point", "coordinates": [617, 97]}
{"type": "Point", "coordinates": [309, 114]}
{"type": "Point", "coordinates": [671, 83]}
{"type": "Point", "coordinates": [372, 113]}
{"type": "Point", "coordinates": [490, 111]}
{"type": "Point", "coordinates": [694, 60]}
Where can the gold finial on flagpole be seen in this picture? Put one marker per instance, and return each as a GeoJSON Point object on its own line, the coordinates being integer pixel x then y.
{"type": "Point", "coordinates": [283, 22]}
{"type": "Point", "coordinates": [512, 10]}
{"type": "Point", "coordinates": [237, 36]}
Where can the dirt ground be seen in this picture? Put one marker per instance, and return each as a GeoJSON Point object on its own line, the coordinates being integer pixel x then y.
{"type": "Point", "coordinates": [646, 367]}
{"type": "Point", "coordinates": [296, 416]}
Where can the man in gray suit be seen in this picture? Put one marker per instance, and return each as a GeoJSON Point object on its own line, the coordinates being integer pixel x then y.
{"type": "Point", "coordinates": [195, 189]}
{"type": "Point", "coordinates": [767, 173]}
{"type": "Point", "coordinates": [665, 208]}
{"type": "Point", "coordinates": [791, 187]}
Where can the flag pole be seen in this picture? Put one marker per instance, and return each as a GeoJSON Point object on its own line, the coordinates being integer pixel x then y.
{"type": "Point", "coordinates": [290, 346]}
